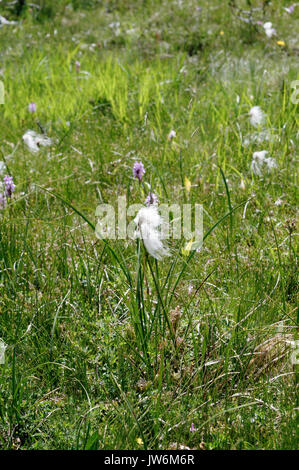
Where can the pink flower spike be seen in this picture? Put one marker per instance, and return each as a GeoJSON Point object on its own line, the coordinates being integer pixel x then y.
{"type": "Point", "coordinates": [138, 170]}
{"type": "Point", "coordinates": [32, 107]}
{"type": "Point", "coordinates": [193, 428]}
{"type": "Point", "coordinates": [77, 65]}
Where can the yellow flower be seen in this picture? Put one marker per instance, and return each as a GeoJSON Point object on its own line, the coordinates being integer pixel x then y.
{"type": "Point", "coordinates": [221, 33]}
{"type": "Point", "coordinates": [187, 249]}
{"type": "Point", "coordinates": [139, 441]}
{"type": "Point", "coordinates": [281, 43]}
{"type": "Point", "coordinates": [187, 184]}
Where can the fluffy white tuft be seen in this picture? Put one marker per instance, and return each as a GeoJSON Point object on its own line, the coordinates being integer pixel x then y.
{"type": "Point", "coordinates": [270, 163]}
{"type": "Point", "coordinates": [149, 221]}
{"type": "Point", "coordinates": [268, 29]}
{"type": "Point", "coordinates": [261, 163]}
{"type": "Point", "coordinates": [257, 116]}
{"type": "Point", "coordinates": [34, 141]}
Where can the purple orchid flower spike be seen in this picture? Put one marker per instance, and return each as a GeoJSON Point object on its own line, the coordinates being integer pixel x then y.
{"type": "Point", "coordinates": [9, 185]}
{"type": "Point", "coordinates": [138, 170]}
{"type": "Point", "coordinates": [32, 107]}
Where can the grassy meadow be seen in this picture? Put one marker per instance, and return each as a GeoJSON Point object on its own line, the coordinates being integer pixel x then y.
{"type": "Point", "coordinates": [108, 348]}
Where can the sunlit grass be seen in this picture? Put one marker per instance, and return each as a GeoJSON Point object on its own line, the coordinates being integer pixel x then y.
{"type": "Point", "coordinates": [106, 347]}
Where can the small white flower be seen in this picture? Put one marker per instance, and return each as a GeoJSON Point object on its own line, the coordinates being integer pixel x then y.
{"type": "Point", "coordinates": [268, 29]}
{"type": "Point", "coordinates": [149, 221]}
{"type": "Point", "coordinates": [34, 141]}
{"type": "Point", "coordinates": [278, 202]}
{"type": "Point", "coordinates": [291, 8]}
{"type": "Point", "coordinates": [171, 135]}
{"type": "Point", "coordinates": [4, 21]}
{"type": "Point", "coordinates": [257, 116]}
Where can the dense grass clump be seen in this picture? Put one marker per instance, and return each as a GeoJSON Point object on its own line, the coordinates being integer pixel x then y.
{"type": "Point", "coordinates": [108, 348]}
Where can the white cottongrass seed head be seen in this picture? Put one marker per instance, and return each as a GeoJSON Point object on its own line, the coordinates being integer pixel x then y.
{"type": "Point", "coordinates": [148, 222]}
{"type": "Point", "coordinates": [261, 163]}
{"type": "Point", "coordinates": [35, 141]}
{"type": "Point", "coordinates": [271, 163]}
{"type": "Point", "coordinates": [269, 30]}
{"type": "Point", "coordinates": [257, 116]}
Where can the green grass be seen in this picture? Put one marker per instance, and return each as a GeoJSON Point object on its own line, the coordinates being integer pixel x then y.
{"type": "Point", "coordinates": [106, 348]}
